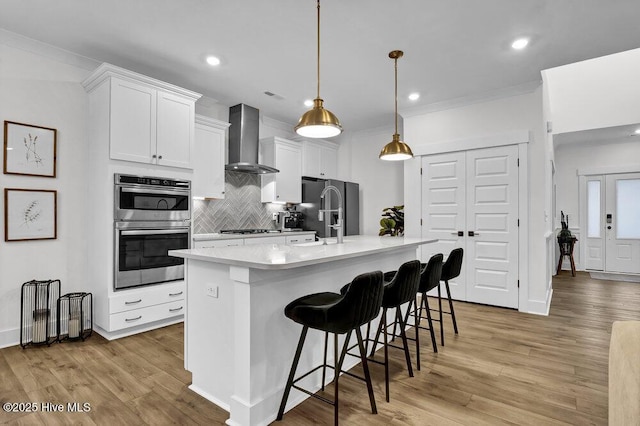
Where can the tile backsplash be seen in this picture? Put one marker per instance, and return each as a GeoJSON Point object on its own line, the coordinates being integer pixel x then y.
{"type": "Point", "coordinates": [241, 208]}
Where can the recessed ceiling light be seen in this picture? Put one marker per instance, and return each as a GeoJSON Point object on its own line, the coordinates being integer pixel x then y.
{"type": "Point", "coordinates": [308, 103]}
{"type": "Point", "coordinates": [213, 61]}
{"type": "Point", "coordinates": [414, 96]}
{"type": "Point", "coordinates": [520, 43]}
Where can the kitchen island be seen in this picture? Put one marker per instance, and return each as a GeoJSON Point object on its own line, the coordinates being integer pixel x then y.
{"type": "Point", "coordinates": [238, 344]}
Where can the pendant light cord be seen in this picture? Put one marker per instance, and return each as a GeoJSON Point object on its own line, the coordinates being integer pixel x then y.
{"type": "Point", "coordinates": [318, 62]}
{"type": "Point", "coordinates": [396, 89]}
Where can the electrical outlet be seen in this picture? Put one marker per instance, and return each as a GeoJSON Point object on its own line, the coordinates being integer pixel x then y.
{"type": "Point", "coordinates": [274, 216]}
{"type": "Point", "coordinates": [212, 290]}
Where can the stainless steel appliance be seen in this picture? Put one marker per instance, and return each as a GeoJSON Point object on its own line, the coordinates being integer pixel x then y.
{"type": "Point", "coordinates": [290, 220]}
{"type": "Point", "coordinates": [312, 203]}
{"type": "Point", "coordinates": [151, 216]}
{"type": "Point", "coordinates": [150, 198]}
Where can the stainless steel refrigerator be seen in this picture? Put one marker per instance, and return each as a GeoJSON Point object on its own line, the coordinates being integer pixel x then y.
{"type": "Point", "coordinates": [311, 203]}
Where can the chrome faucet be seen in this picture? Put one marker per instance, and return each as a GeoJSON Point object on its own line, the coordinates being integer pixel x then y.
{"type": "Point", "coordinates": [339, 224]}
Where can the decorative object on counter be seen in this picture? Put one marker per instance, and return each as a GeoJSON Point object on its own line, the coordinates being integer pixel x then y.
{"type": "Point", "coordinates": [29, 150]}
{"type": "Point", "coordinates": [318, 122]}
{"type": "Point", "coordinates": [396, 150]}
{"type": "Point", "coordinates": [392, 222]}
{"type": "Point", "coordinates": [38, 312]}
{"type": "Point", "coordinates": [75, 316]}
{"type": "Point", "coordinates": [566, 241]}
{"type": "Point", "coordinates": [30, 214]}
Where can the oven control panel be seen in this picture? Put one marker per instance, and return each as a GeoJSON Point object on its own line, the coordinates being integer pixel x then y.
{"type": "Point", "coordinates": [152, 181]}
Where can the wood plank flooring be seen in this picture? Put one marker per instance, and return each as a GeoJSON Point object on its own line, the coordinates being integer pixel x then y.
{"type": "Point", "coordinates": [503, 368]}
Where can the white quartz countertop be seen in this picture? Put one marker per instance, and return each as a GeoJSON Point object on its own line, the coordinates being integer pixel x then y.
{"type": "Point", "coordinates": [280, 256]}
{"type": "Point", "coordinates": [217, 236]}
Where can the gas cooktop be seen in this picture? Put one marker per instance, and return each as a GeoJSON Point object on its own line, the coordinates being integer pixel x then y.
{"type": "Point", "coordinates": [247, 231]}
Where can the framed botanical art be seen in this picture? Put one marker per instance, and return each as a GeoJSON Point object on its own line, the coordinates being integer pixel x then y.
{"type": "Point", "coordinates": [30, 214]}
{"type": "Point", "coordinates": [29, 150]}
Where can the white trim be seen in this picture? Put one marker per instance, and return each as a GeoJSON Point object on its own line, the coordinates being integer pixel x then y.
{"type": "Point", "coordinates": [277, 124]}
{"type": "Point", "coordinates": [9, 338]}
{"type": "Point", "coordinates": [523, 229]}
{"type": "Point", "coordinates": [489, 141]}
{"type": "Point", "coordinates": [608, 170]}
{"type": "Point", "coordinates": [210, 397]}
{"type": "Point", "coordinates": [212, 122]}
{"type": "Point", "coordinates": [541, 307]}
{"type": "Point", "coordinates": [113, 335]}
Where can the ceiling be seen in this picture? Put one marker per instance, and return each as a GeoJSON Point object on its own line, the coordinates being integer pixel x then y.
{"type": "Point", "coordinates": [455, 50]}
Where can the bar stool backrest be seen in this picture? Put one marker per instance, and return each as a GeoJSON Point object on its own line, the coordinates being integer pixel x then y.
{"type": "Point", "coordinates": [404, 285]}
{"type": "Point", "coordinates": [451, 268]}
{"type": "Point", "coordinates": [363, 299]}
{"type": "Point", "coordinates": [431, 273]}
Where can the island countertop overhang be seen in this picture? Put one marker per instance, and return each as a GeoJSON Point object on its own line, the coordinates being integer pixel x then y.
{"type": "Point", "coordinates": [280, 256]}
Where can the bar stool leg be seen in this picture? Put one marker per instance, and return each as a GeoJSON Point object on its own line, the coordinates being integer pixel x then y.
{"type": "Point", "coordinates": [338, 369]}
{"type": "Point", "coordinates": [378, 332]}
{"type": "Point", "coordinates": [365, 367]}
{"type": "Point", "coordinates": [292, 373]}
{"type": "Point", "coordinates": [324, 365]}
{"type": "Point", "coordinates": [403, 334]}
{"type": "Point", "coordinates": [441, 322]}
{"type": "Point", "coordinates": [453, 313]}
{"type": "Point", "coordinates": [386, 353]}
{"type": "Point", "coordinates": [415, 325]}
{"type": "Point", "coordinates": [433, 334]}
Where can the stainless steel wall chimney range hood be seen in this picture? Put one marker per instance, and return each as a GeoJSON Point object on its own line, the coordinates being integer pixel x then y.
{"type": "Point", "coordinates": [243, 141]}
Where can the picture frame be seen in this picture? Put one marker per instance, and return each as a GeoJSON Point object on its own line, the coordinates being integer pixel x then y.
{"type": "Point", "coordinates": [30, 214]}
{"type": "Point", "coordinates": [29, 150]}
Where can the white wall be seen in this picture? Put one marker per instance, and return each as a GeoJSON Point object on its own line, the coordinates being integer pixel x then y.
{"type": "Point", "coordinates": [601, 92]}
{"type": "Point", "coordinates": [46, 92]}
{"type": "Point", "coordinates": [381, 182]}
{"type": "Point", "coordinates": [515, 113]}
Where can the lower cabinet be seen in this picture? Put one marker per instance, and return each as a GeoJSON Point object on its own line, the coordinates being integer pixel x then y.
{"type": "Point", "coordinates": [297, 239]}
{"type": "Point", "coordinates": [130, 308]}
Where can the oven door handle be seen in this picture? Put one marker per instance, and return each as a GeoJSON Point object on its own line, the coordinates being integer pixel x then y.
{"type": "Point", "coordinates": [154, 231]}
{"type": "Point", "coordinates": [167, 191]}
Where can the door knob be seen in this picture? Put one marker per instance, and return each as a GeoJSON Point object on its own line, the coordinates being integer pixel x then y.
{"type": "Point", "coordinates": [473, 234]}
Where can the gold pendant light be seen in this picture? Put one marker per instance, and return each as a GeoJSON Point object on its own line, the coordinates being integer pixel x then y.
{"type": "Point", "coordinates": [318, 122]}
{"type": "Point", "coordinates": [396, 150]}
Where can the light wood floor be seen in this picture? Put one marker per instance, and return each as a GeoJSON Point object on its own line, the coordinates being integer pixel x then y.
{"type": "Point", "coordinates": [503, 368]}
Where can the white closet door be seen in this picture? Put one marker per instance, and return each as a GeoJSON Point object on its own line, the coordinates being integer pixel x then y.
{"type": "Point", "coordinates": [622, 223]}
{"type": "Point", "coordinates": [492, 226]}
{"type": "Point", "coordinates": [443, 209]}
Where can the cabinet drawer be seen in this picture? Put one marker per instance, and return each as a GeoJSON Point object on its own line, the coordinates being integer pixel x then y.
{"type": "Point", "coordinates": [264, 240]}
{"type": "Point", "coordinates": [218, 243]}
{"type": "Point", "coordinates": [146, 315]}
{"type": "Point", "coordinates": [135, 299]}
{"type": "Point", "coordinates": [297, 239]}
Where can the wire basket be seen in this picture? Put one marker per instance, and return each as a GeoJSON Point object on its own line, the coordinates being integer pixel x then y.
{"type": "Point", "coordinates": [38, 312]}
{"type": "Point", "coordinates": [75, 316]}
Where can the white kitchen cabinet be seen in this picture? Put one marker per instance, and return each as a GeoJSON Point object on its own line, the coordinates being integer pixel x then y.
{"type": "Point", "coordinates": [286, 156]}
{"type": "Point", "coordinates": [210, 158]}
{"type": "Point", "coordinates": [145, 120]}
{"type": "Point", "coordinates": [297, 239]}
{"type": "Point", "coordinates": [264, 240]}
{"type": "Point", "coordinates": [319, 159]}
{"type": "Point", "coordinates": [218, 243]}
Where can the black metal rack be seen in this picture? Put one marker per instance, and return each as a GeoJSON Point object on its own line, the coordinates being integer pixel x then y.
{"type": "Point", "coordinates": [38, 312]}
{"type": "Point", "coordinates": [75, 316]}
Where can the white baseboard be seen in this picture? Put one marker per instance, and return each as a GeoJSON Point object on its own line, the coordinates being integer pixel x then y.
{"type": "Point", "coordinates": [9, 338]}
{"type": "Point", "coordinates": [113, 335]}
{"type": "Point", "coordinates": [540, 307]}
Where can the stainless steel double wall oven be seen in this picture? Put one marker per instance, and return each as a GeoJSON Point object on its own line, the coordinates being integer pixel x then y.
{"type": "Point", "coordinates": [151, 216]}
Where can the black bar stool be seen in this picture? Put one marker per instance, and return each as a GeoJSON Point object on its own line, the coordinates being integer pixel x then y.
{"type": "Point", "coordinates": [401, 289]}
{"type": "Point", "coordinates": [337, 314]}
{"type": "Point", "coordinates": [450, 269]}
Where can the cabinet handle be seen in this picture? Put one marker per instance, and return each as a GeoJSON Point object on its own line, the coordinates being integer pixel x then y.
{"type": "Point", "coordinates": [175, 294]}
{"type": "Point", "coordinates": [133, 319]}
{"type": "Point", "coordinates": [153, 156]}
{"type": "Point", "coordinates": [277, 196]}
{"type": "Point", "coordinates": [159, 157]}
{"type": "Point", "coordinates": [176, 309]}
{"type": "Point", "coordinates": [134, 302]}
{"type": "Point", "coordinates": [321, 174]}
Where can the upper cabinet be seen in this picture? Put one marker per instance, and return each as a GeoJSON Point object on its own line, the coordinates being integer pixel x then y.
{"type": "Point", "coordinates": [146, 120]}
{"type": "Point", "coordinates": [209, 159]}
{"type": "Point", "coordinates": [286, 156]}
{"type": "Point", "coordinates": [319, 159]}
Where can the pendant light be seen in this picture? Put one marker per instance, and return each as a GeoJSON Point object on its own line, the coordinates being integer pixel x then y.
{"type": "Point", "coordinates": [396, 150]}
{"type": "Point", "coordinates": [318, 122]}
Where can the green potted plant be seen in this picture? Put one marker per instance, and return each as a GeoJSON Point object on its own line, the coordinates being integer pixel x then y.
{"type": "Point", "coordinates": [565, 234]}
{"type": "Point", "coordinates": [392, 222]}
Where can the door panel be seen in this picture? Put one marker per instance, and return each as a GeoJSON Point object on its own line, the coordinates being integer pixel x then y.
{"type": "Point", "coordinates": [492, 215]}
{"type": "Point", "coordinates": [622, 252]}
{"type": "Point", "coordinates": [443, 208]}
{"type": "Point", "coordinates": [595, 224]}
